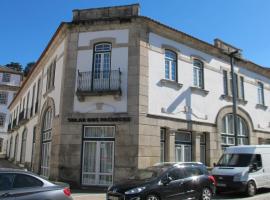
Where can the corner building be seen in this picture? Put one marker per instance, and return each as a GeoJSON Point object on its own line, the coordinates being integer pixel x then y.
{"type": "Point", "coordinates": [115, 91]}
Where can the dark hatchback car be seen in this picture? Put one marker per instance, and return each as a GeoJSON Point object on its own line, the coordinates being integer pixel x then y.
{"type": "Point", "coordinates": [166, 181]}
{"type": "Point", "coordinates": [23, 185]}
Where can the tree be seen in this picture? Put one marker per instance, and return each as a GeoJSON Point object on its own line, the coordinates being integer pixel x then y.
{"type": "Point", "coordinates": [28, 68]}
{"type": "Point", "coordinates": [15, 66]}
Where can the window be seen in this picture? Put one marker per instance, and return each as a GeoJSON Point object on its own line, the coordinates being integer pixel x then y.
{"type": "Point", "coordinates": [32, 102]}
{"type": "Point", "coordinates": [6, 77]}
{"type": "Point", "coordinates": [203, 148]}
{"type": "Point", "coordinates": [176, 174]}
{"type": "Point", "coordinates": [6, 181]}
{"type": "Point", "coordinates": [183, 147]}
{"type": "Point", "coordinates": [51, 75]}
{"type": "Point", "coordinates": [227, 135]}
{"type": "Point", "coordinates": [170, 65]}
{"type": "Point", "coordinates": [1, 144]}
{"type": "Point", "coordinates": [26, 181]}
{"type": "Point", "coordinates": [257, 160]}
{"type": "Point", "coordinates": [225, 82]}
{"type": "Point", "coordinates": [102, 61]}
{"type": "Point", "coordinates": [198, 74]}
{"type": "Point", "coordinates": [241, 94]}
{"type": "Point", "coordinates": [2, 119]}
{"type": "Point", "coordinates": [162, 144]}
{"type": "Point", "coordinates": [98, 155]}
{"type": "Point", "coordinates": [193, 171]}
{"type": "Point", "coordinates": [38, 94]}
{"type": "Point", "coordinates": [260, 93]}
{"type": "Point", "coordinates": [3, 97]}
{"type": "Point", "coordinates": [46, 142]}
{"type": "Point", "coordinates": [23, 147]}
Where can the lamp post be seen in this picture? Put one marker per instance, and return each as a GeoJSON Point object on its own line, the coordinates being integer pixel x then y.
{"type": "Point", "coordinates": [234, 95]}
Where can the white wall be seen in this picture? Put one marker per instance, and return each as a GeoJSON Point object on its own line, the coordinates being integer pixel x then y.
{"type": "Point", "coordinates": [204, 107]}
{"type": "Point", "coordinates": [119, 59]}
{"type": "Point", "coordinates": [15, 79]}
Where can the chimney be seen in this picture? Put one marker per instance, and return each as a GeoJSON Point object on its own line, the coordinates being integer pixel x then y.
{"type": "Point", "coordinates": [227, 48]}
{"type": "Point", "coordinates": [106, 12]}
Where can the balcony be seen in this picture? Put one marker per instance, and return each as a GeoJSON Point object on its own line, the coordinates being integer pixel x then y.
{"type": "Point", "coordinates": [99, 83]}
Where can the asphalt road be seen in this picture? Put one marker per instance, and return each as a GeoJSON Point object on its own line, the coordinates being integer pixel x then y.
{"type": "Point", "coordinates": [263, 194]}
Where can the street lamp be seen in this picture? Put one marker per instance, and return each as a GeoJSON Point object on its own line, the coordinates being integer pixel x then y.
{"type": "Point", "coordinates": [234, 95]}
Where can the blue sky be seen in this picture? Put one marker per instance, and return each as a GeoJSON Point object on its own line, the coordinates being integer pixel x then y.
{"type": "Point", "coordinates": [26, 26]}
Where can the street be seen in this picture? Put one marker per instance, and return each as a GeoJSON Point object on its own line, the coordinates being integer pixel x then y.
{"type": "Point", "coordinates": [263, 194]}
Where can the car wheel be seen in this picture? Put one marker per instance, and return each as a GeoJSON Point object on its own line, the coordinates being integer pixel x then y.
{"type": "Point", "coordinates": [152, 197]}
{"type": "Point", "coordinates": [206, 194]}
{"type": "Point", "coordinates": [251, 188]}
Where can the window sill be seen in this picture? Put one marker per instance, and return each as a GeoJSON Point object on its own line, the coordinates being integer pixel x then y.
{"type": "Point", "coordinates": [198, 90]}
{"type": "Point", "coordinates": [229, 98]}
{"type": "Point", "coordinates": [170, 83]}
{"type": "Point", "coordinates": [261, 106]}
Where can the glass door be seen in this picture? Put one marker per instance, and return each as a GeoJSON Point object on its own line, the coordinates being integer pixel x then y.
{"type": "Point", "coordinates": [98, 162]}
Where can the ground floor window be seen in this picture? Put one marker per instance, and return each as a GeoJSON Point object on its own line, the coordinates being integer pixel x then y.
{"type": "Point", "coordinates": [98, 155]}
{"type": "Point", "coordinates": [203, 148]}
{"type": "Point", "coordinates": [15, 147]}
{"type": "Point", "coordinates": [1, 144]}
{"type": "Point", "coordinates": [183, 146]}
{"type": "Point", "coordinates": [162, 144]}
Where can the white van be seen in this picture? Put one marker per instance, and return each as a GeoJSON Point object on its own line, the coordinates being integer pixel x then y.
{"type": "Point", "coordinates": [243, 168]}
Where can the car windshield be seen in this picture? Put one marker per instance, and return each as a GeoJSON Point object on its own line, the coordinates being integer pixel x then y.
{"type": "Point", "coordinates": [235, 160]}
{"type": "Point", "coordinates": [148, 173]}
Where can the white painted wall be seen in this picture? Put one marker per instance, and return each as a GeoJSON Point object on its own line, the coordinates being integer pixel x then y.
{"type": "Point", "coordinates": [119, 59]}
{"type": "Point", "coordinates": [54, 93]}
{"type": "Point", "coordinates": [204, 108]}
{"type": "Point", "coordinates": [15, 79]}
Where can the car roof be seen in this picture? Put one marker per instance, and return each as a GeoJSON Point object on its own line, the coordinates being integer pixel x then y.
{"type": "Point", "coordinates": [174, 164]}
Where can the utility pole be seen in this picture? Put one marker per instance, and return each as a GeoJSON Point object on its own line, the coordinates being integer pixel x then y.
{"type": "Point", "coordinates": [234, 96]}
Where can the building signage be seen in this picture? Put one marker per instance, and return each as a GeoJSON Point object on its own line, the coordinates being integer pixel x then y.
{"type": "Point", "coordinates": [101, 119]}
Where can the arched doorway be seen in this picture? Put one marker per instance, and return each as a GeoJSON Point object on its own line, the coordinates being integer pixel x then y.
{"type": "Point", "coordinates": [227, 132]}
{"type": "Point", "coordinates": [23, 146]}
{"type": "Point", "coordinates": [46, 138]}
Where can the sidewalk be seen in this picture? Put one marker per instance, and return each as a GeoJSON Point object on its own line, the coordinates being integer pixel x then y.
{"type": "Point", "coordinates": [84, 196]}
{"type": "Point", "coordinates": [6, 164]}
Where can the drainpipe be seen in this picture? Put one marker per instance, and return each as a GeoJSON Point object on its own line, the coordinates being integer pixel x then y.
{"type": "Point", "coordinates": [234, 95]}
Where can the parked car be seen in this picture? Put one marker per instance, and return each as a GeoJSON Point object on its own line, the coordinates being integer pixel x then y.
{"type": "Point", "coordinates": [166, 181]}
{"type": "Point", "coordinates": [243, 168]}
{"type": "Point", "coordinates": [22, 185]}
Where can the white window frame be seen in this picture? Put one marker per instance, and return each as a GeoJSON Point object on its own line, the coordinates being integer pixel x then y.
{"type": "Point", "coordinates": [198, 74]}
{"type": "Point", "coordinates": [170, 65]}
{"type": "Point", "coordinates": [3, 97]}
{"type": "Point", "coordinates": [260, 91]}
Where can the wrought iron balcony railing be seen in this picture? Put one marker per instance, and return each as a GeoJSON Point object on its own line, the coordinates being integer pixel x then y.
{"type": "Point", "coordinates": [99, 83]}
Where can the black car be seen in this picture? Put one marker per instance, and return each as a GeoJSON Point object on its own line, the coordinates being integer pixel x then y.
{"type": "Point", "coordinates": [166, 181]}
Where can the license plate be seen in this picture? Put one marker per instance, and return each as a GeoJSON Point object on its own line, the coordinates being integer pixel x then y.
{"type": "Point", "coordinates": [113, 198]}
{"type": "Point", "coordinates": [221, 184]}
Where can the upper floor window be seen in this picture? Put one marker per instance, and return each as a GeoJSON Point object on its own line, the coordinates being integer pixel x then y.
{"type": "Point", "coordinates": [260, 93]}
{"type": "Point", "coordinates": [2, 119]}
{"type": "Point", "coordinates": [6, 77]}
{"type": "Point", "coordinates": [227, 85]}
{"type": "Point", "coordinates": [102, 60]}
{"type": "Point", "coordinates": [51, 75]}
{"type": "Point", "coordinates": [3, 97]}
{"type": "Point", "coordinates": [198, 74]}
{"type": "Point", "coordinates": [170, 65]}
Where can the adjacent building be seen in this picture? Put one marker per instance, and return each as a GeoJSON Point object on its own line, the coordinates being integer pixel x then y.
{"type": "Point", "coordinates": [9, 84]}
{"type": "Point", "coordinates": [115, 91]}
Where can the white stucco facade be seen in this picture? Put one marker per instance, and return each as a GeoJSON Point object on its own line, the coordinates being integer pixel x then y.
{"type": "Point", "coordinates": [175, 103]}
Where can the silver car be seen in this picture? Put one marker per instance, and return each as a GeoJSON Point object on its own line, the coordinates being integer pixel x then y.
{"type": "Point", "coordinates": [23, 185]}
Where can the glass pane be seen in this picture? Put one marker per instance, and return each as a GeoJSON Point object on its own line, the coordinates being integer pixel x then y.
{"type": "Point", "coordinates": [99, 132]}
{"type": "Point", "coordinates": [89, 157]}
{"type": "Point", "coordinates": [178, 154]}
{"type": "Point", "coordinates": [106, 65]}
{"type": "Point", "coordinates": [89, 179]}
{"type": "Point", "coordinates": [161, 151]}
{"type": "Point", "coordinates": [173, 71]}
{"type": "Point", "coordinates": [231, 140]}
{"type": "Point", "coordinates": [167, 69]}
{"type": "Point", "coordinates": [106, 157]}
{"type": "Point", "coordinates": [105, 179]}
{"type": "Point", "coordinates": [182, 137]}
{"type": "Point", "coordinates": [187, 153]}
{"type": "Point", "coordinates": [202, 153]}
{"type": "Point", "coordinates": [22, 181]}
